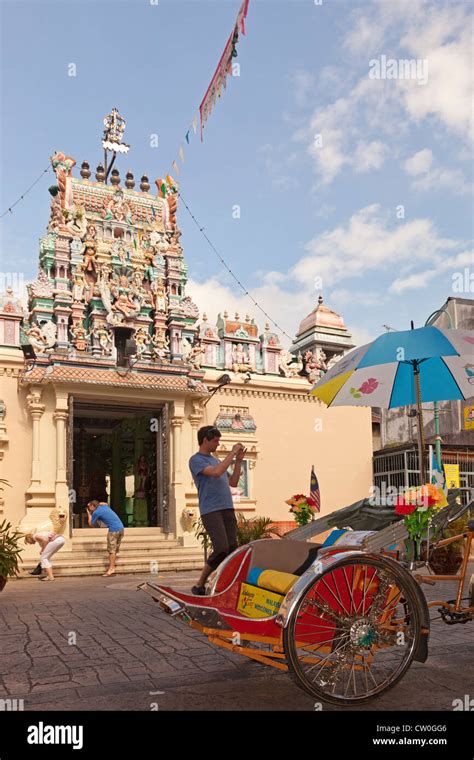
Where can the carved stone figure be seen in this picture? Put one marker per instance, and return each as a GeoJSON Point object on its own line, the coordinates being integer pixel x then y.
{"type": "Point", "coordinates": [289, 365]}
{"type": "Point", "coordinates": [142, 339]}
{"type": "Point", "coordinates": [159, 296]}
{"type": "Point", "coordinates": [49, 332]}
{"type": "Point", "coordinates": [79, 284]}
{"type": "Point", "coordinates": [196, 355]}
{"type": "Point", "coordinates": [80, 337]}
{"type": "Point", "coordinates": [315, 364]}
{"type": "Point", "coordinates": [62, 166]}
{"type": "Point", "coordinates": [89, 256]}
{"type": "Point", "coordinates": [160, 345]}
{"type": "Point", "coordinates": [75, 219]}
{"type": "Point", "coordinates": [240, 358]}
{"type": "Point", "coordinates": [37, 339]}
{"type": "Point", "coordinates": [105, 338]}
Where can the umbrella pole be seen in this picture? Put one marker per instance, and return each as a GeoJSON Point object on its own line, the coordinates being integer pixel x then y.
{"type": "Point", "coordinates": [421, 435]}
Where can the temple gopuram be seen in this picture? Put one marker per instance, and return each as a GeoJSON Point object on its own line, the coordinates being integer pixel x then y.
{"type": "Point", "coordinates": [110, 369]}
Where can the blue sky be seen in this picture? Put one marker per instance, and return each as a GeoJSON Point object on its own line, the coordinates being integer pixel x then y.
{"type": "Point", "coordinates": [310, 207]}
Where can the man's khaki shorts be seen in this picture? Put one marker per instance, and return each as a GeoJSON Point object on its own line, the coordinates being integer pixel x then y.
{"type": "Point", "coordinates": [114, 539]}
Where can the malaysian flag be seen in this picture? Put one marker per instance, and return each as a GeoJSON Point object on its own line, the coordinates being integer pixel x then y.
{"type": "Point", "coordinates": [314, 490]}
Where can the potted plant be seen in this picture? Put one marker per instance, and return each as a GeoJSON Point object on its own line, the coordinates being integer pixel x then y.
{"type": "Point", "coordinates": [9, 552]}
{"type": "Point", "coordinates": [248, 529]}
{"type": "Point", "coordinates": [253, 528]}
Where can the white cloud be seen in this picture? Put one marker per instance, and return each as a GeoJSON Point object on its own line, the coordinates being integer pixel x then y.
{"type": "Point", "coordinates": [419, 163]}
{"type": "Point", "coordinates": [431, 32]}
{"type": "Point", "coordinates": [371, 240]}
{"type": "Point", "coordinates": [441, 266]}
{"type": "Point", "coordinates": [344, 296]}
{"type": "Point", "coordinates": [369, 156]}
{"type": "Point", "coordinates": [429, 176]}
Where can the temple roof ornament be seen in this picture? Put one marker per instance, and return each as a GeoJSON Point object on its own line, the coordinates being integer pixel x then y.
{"type": "Point", "coordinates": [114, 128]}
{"type": "Point", "coordinates": [41, 287]}
{"type": "Point", "coordinates": [322, 329]}
{"type": "Point", "coordinates": [10, 304]}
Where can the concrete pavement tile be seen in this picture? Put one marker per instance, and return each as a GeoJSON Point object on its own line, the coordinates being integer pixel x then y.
{"type": "Point", "coordinates": [47, 666]}
{"type": "Point", "coordinates": [14, 663]}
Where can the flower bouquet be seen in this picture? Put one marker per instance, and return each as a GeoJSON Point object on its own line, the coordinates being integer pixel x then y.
{"type": "Point", "coordinates": [418, 506]}
{"type": "Point", "coordinates": [302, 507]}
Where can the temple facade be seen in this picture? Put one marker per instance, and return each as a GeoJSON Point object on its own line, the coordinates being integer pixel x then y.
{"type": "Point", "coordinates": [110, 370]}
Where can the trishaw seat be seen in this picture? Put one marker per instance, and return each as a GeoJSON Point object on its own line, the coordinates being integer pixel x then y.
{"type": "Point", "coordinates": [285, 555]}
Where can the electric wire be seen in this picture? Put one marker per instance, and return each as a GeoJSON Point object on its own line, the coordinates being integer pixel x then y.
{"type": "Point", "coordinates": [224, 263]}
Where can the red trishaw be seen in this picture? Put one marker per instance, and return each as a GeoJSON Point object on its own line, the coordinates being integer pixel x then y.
{"type": "Point", "coordinates": [346, 621]}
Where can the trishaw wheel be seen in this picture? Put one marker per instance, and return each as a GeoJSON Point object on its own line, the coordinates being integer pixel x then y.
{"type": "Point", "coordinates": [354, 632]}
{"type": "Point", "coordinates": [471, 591]}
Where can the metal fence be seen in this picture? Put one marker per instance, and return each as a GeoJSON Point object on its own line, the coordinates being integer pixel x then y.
{"type": "Point", "coordinates": [400, 469]}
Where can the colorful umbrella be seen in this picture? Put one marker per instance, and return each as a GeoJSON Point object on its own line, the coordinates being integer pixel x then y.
{"type": "Point", "coordinates": [401, 368]}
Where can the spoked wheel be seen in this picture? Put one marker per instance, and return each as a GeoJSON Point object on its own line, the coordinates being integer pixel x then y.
{"type": "Point", "coordinates": [471, 591]}
{"type": "Point", "coordinates": [354, 632]}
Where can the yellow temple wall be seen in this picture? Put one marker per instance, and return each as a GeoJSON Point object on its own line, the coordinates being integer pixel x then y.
{"type": "Point", "coordinates": [15, 464]}
{"type": "Point", "coordinates": [293, 433]}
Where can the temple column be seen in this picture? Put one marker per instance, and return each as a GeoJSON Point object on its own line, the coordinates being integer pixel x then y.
{"type": "Point", "coordinates": [178, 499]}
{"type": "Point", "coordinates": [195, 419]}
{"type": "Point", "coordinates": [177, 426]}
{"type": "Point", "coordinates": [61, 416]}
{"type": "Point", "coordinates": [36, 410]}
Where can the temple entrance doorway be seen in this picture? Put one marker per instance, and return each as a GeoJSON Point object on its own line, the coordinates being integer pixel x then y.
{"type": "Point", "coordinates": [119, 453]}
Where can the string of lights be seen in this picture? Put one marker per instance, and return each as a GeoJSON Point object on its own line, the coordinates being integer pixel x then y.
{"type": "Point", "coordinates": [9, 209]}
{"type": "Point", "coordinates": [224, 263]}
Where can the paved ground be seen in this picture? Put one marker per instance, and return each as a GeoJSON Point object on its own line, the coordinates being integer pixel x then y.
{"type": "Point", "coordinates": [97, 643]}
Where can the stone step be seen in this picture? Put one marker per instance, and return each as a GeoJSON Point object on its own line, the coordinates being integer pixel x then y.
{"type": "Point", "coordinates": [101, 546]}
{"type": "Point", "coordinates": [126, 545]}
{"type": "Point", "coordinates": [134, 565]}
{"type": "Point", "coordinates": [87, 534]}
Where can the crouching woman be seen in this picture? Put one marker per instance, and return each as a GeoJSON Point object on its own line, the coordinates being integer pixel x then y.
{"type": "Point", "coordinates": [50, 543]}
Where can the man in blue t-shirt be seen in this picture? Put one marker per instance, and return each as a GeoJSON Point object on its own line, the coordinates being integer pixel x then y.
{"type": "Point", "coordinates": [215, 499]}
{"type": "Point", "coordinates": [100, 512]}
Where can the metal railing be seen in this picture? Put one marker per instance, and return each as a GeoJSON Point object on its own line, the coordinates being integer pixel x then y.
{"type": "Point", "coordinates": [400, 469]}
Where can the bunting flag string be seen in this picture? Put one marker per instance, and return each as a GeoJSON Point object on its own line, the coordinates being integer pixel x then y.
{"type": "Point", "coordinates": [224, 68]}
{"type": "Point", "coordinates": [217, 85]}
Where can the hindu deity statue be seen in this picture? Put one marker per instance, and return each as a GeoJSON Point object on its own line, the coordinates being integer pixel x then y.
{"type": "Point", "coordinates": [290, 366]}
{"type": "Point", "coordinates": [315, 364]}
{"type": "Point", "coordinates": [80, 337]}
{"type": "Point", "coordinates": [62, 166]}
{"type": "Point", "coordinates": [196, 355]}
{"type": "Point", "coordinates": [105, 338]}
{"type": "Point", "coordinates": [90, 248]}
{"type": "Point", "coordinates": [36, 338]}
{"type": "Point", "coordinates": [79, 283]}
{"type": "Point", "coordinates": [159, 296]}
{"type": "Point", "coordinates": [240, 358]}
{"type": "Point", "coordinates": [142, 339]}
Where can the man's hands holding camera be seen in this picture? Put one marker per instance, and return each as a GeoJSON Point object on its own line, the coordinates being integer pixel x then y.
{"type": "Point", "coordinates": [239, 451]}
